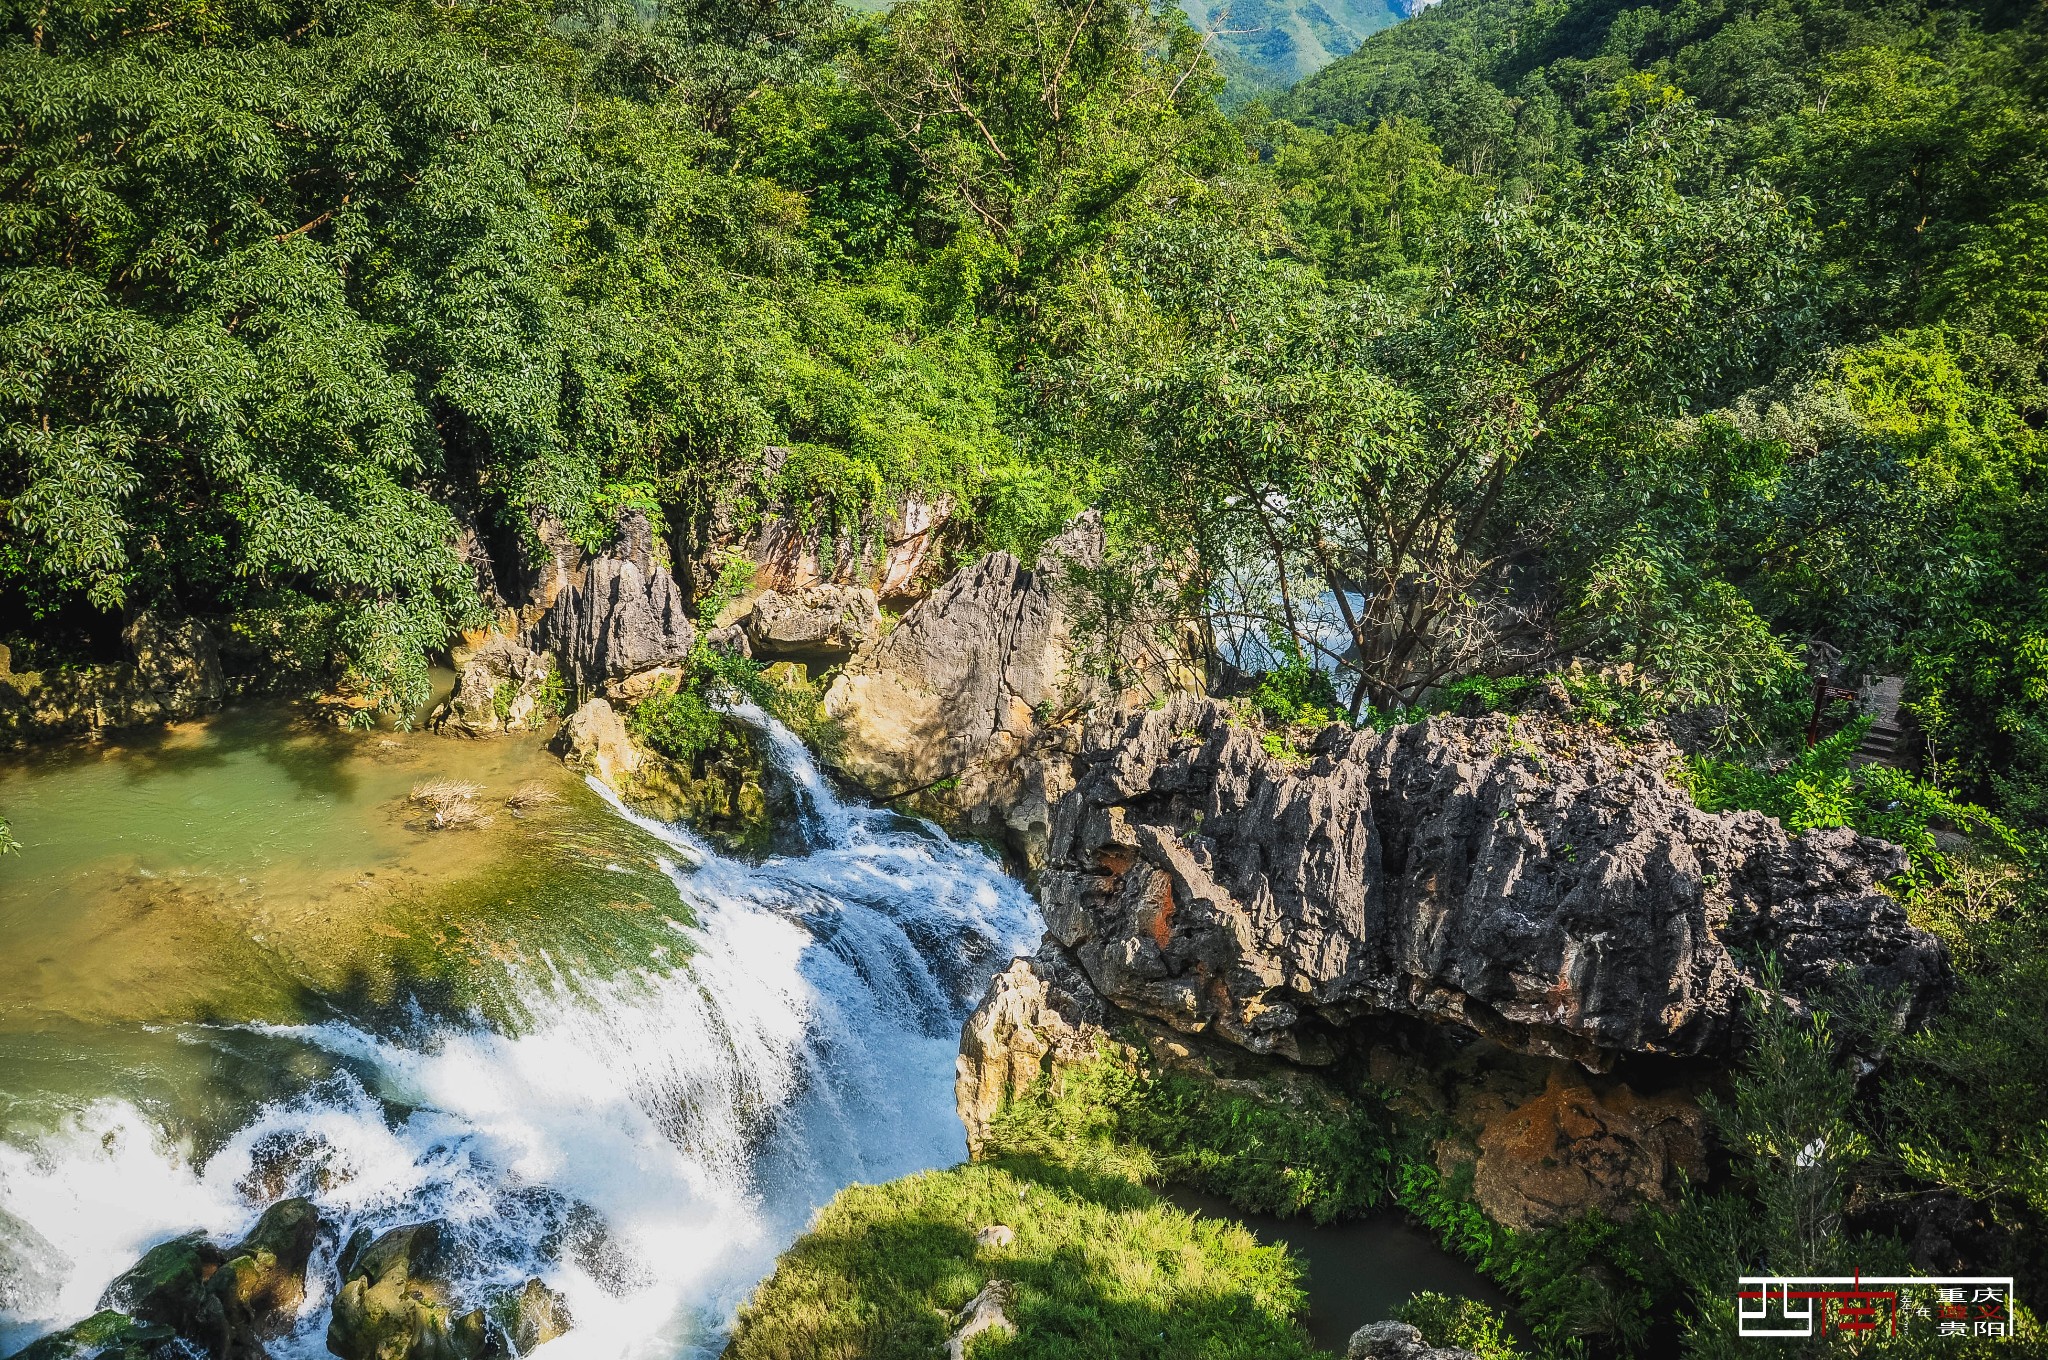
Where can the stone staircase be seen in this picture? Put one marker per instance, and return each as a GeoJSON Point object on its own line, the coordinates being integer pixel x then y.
{"type": "Point", "coordinates": [1885, 743]}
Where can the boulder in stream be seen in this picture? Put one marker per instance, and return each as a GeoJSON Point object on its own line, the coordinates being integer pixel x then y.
{"type": "Point", "coordinates": [595, 739]}
{"type": "Point", "coordinates": [534, 1316]}
{"type": "Point", "coordinates": [395, 1302]}
{"type": "Point", "coordinates": [504, 688]}
{"type": "Point", "coordinates": [223, 1302]}
{"type": "Point", "coordinates": [1398, 1341]}
{"type": "Point", "coordinates": [107, 1335]}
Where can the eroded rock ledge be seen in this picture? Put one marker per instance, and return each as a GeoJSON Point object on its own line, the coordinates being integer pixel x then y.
{"type": "Point", "coordinates": [1526, 880]}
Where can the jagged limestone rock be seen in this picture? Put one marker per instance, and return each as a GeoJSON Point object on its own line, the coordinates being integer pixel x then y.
{"type": "Point", "coordinates": [1038, 1016]}
{"type": "Point", "coordinates": [955, 691]}
{"type": "Point", "coordinates": [1580, 1142]}
{"type": "Point", "coordinates": [816, 624]}
{"type": "Point", "coordinates": [617, 614]}
{"type": "Point", "coordinates": [503, 689]}
{"type": "Point", "coordinates": [177, 666]}
{"type": "Point", "coordinates": [1529, 881]}
{"type": "Point", "coordinates": [175, 673]}
{"type": "Point", "coordinates": [986, 1311]}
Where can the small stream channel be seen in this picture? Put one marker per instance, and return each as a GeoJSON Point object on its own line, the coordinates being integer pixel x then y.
{"type": "Point", "coordinates": [1359, 1270]}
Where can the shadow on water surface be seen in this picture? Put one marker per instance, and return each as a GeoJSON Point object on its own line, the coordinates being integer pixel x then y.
{"type": "Point", "coordinates": [1359, 1270]}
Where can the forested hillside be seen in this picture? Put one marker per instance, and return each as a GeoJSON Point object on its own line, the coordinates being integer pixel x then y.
{"type": "Point", "coordinates": [1641, 355]}
{"type": "Point", "coordinates": [1907, 141]}
{"type": "Point", "coordinates": [1263, 47]}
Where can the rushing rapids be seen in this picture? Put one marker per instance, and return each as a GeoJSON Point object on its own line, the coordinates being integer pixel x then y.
{"type": "Point", "coordinates": [644, 1138]}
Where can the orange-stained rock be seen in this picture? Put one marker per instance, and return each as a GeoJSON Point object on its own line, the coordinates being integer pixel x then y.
{"type": "Point", "coordinates": [1580, 1143]}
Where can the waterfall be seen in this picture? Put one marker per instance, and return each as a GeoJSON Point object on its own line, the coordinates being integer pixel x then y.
{"type": "Point", "coordinates": [645, 1143]}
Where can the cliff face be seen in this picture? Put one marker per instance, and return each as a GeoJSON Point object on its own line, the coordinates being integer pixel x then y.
{"type": "Point", "coordinates": [1528, 881]}
{"type": "Point", "coordinates": [958, 689]}
{"type": "Point", "coordinates": [1523, 882]}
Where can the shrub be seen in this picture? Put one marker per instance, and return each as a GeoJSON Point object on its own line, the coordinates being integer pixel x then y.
{"type": "Point", "coordinates": [1296, 693]}
{"type": "Point", "coordinates": [451, 801]}
{"type": "Point", "coordinates": [1466, 1323]}
{"type": "Point", "coordinates": [675, 721]}
{"type": "Point", "coordinates": [1818, 788]}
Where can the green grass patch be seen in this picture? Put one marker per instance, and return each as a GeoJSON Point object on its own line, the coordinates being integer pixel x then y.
{"type": "Point", "coordinates": [1267, 1145]}
{"type": "Point", "coordinates": [1100, 1264]}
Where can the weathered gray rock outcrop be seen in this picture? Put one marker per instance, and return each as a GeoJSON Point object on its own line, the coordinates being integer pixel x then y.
{"type": "Point", "coordinates": [1398, 1341]}
{"type": "Point", "coordinates": [889, 549]}
{"type": "Point", "coordinates": [1530, 882]}
{"type": "Point", "coordinates": [954, 692]}
{"type": "Point", "coordinates": [822, 624]}
{"type": "Point", "coordinates": [503, 689]}
{"type": "Point", "coordinates": [617, 614]}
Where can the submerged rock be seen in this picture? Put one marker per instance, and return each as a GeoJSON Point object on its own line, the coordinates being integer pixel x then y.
{"type": "Point", "coordinates": [222, 1301]}
{"type": "Point", "coordinates": [1532, 883]}
{"type": "Point", "coordinates": [395, 1303]}
{"type": "Point", "coordinates": [107, 1335]}
{"type": "Point", "coordinates": [535, 1316]}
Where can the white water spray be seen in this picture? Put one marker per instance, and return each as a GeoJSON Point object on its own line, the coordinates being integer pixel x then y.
{"type": "Point", "coordinates": [644, 1143]}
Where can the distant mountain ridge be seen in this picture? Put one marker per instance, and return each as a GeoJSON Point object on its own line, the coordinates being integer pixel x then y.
{"type": "Point", "coordinates": [1265, 46]}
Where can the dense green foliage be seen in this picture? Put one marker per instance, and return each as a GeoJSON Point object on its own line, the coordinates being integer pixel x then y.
{"type": "Point", "coordinates": [1880, 487]}
{"type": "Point", "coordinates": [1540, 332]}
{"type": "Point", "coordinates": [1820, 788]}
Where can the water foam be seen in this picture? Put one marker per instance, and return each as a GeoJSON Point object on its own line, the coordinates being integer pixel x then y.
{"type": "Point", "coordinates": [644, 1143]}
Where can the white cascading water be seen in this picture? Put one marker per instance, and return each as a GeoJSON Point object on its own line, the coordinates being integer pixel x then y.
{"type": "Point", "coordinates": [645, 1144]}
